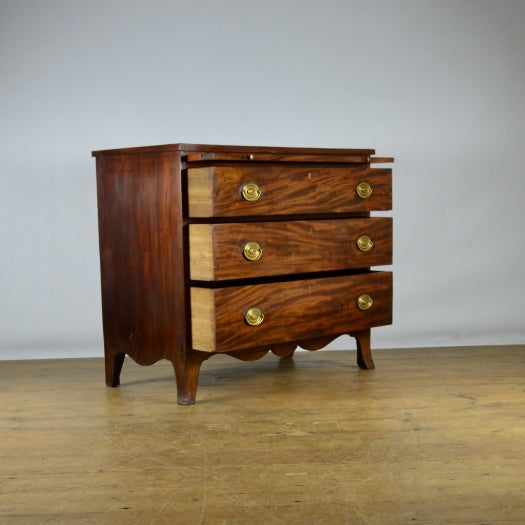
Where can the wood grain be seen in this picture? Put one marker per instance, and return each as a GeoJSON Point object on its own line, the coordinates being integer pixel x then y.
{"type": "Point", "coordinates": [200, 193]}
{"type": "Point", "coordinates": [288, 247]}
{"type": "Point", "coordinates": [152, 199]}
{"type": "Point", "coordinates": [200, 150]}
{"type": "Point", "coordinates": [292, 310]}
{"type": "Point", "coordinates": [286, 190]}
{"type": "Point", "coordinates": [214, 158]}
{"type": "Point", "coordinates": [140, 235]}
{"type": "Point", "coordinates": [143, 273]}
{"type": "Point", "coordinates": [432, 436]}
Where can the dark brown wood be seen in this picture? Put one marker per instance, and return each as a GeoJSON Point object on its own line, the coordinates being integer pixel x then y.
{"type": "Point", "coordinates": [284, 350]}
{"type": "Point", "coordinates": [364, 354]}
{"type": "Point", "coordinates": [145, 199]}
{"type": "Point", "coordinates": [187, 375]}
{"type": "Point", "coordinates": [289, 190]}
{"type": "Point", "coordinates": [139, 233]}
{"type": "Point", "coordinates": [249, 354]}
{"type": "Point", "coordinates": [288, 247]}
{"type": "Point", "coordinates": [113, 362]}
{"type": "Point", "coordinates": [142, 273]}
{"type": "Point", "coordinates": [381, 160]}
{"type": "Point", "coordinates": [293, 310]}
{"type": "Point", "coordinates": [201, 150]}
{"type": "Point", "coordinates": [317, 343]}
{"type": "Point", "coordinates": [208, 158]}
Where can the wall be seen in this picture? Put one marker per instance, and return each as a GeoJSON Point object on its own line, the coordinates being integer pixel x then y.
{"type": "Point", "coordinates": [437, 84]}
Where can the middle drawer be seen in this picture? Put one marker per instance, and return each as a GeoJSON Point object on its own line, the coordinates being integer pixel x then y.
{"type": "Point", "coordinates": [244, 250]}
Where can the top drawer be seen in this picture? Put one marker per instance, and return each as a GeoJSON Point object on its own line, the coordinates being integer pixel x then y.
{"type": "Point", "coordinates": [243, 191]}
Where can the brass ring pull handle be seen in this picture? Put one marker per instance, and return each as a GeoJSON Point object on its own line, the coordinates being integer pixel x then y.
{"type": "Point", "coordinates": [364, 190]}
{"type": "Point", "coordinates": [364, 302]}
{"type": "Point", "coordinates": [250, 191]}
{"type": "Point", "coordinates": [254, 316]}
{"type": "Point", "coordinates": [252, 251]}
{"type": "Point", "coordinates": [365, 243]}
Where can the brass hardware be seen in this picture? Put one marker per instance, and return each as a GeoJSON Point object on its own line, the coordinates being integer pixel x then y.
{"type": "Point", "coordinates": [364, 190]}
{"type": "Point", "coordinates": [250, 191]}
{"type": "Point", "coordinates": [254, 316]}
{"type": "Point", "coordinates": [251, 156]}
{"type": "Point", "coordinates": [252, 251]}
{"type": "Point", "coordinates": [309, 176]}
{"type": "Point", "coordinates": [365, 243]}
{"type": "Point", "coordinates": [364, 302]}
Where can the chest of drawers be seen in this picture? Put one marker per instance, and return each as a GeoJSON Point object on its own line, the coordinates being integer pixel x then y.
{"type": "Point", "coordinates": [239, 250]}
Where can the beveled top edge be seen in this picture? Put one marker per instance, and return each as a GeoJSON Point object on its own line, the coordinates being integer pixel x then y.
{"type": "Point", "coordinates": [214, 148]}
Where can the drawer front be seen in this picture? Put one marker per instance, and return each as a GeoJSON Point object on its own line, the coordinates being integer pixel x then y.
{"type": "Point", "coordinates": [235, 251]}
{"type": "Point", "coordinates": [288, 311]}
{"type": "Point", "coordinates": [243, 191]}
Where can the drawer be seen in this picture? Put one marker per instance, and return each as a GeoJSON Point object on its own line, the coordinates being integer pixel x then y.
{"type": "Point", "coordinates": [236, 251]}
{"type": "Point", "coordinates": [272, 189]}
{"type": "Point", "coordinates": [237, 317]}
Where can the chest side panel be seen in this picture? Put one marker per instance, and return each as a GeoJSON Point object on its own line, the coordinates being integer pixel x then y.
{"type": "Point", "coordinates": [141, 246]}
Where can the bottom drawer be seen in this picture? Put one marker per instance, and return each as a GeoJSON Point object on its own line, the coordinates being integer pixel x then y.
{"type": "Point", "coordinates": [237, 317]}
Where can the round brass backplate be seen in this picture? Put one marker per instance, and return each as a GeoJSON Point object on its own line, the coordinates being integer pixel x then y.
{"type": "Point", "coordinates": [250, 191]}
{"type": "Point", "coordinates": [252, 251]}
{"type": "Point", "coordinates": [254, 316]}
{"type": "Point", "coordinates": [364, 243]}
{"type": "Point", "coordinates": [364, 302]}
{"type": "Point", "coordinates": [364, 190]}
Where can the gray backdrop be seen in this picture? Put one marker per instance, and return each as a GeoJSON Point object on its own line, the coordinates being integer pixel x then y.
{"type": "Point", "coordinates": [437, 84]}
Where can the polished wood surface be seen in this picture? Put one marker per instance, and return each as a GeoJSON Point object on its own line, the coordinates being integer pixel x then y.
{"type": "Point", "coordinates": [286, 189]}
{"type": "Point", "coordinates": [216, 250]}
{"type": "Point", "coordinates": [293, 310]}
{"type": "Point", "coordinates": [151, 198]}
{"type": "Point", "coordinates": [141, 240]}
{"type": "Point", "coordinates": [348, 157]}
{"type": "Point", "coordinates": [432, 436]}
{"type": "Point", "coordinates": [140, 236]}
{"type": "Point", "coordinates": [200, 151]}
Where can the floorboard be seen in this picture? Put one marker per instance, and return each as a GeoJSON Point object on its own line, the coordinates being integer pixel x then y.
{"type": "Point", "coordinates": [431, 436]}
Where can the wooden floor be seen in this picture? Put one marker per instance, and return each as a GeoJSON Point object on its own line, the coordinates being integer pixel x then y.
{"type": "Point", "coordinates": [431, 436]}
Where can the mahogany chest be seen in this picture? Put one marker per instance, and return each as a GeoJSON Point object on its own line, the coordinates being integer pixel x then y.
{"type": "Point", "coordinates": [239, 250]}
